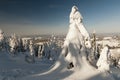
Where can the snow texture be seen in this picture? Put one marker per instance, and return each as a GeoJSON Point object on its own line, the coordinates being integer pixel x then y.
{"type": "Point", "coordinates": [76, 20]}
{"type": "Point", "coordinates": [102, 63]}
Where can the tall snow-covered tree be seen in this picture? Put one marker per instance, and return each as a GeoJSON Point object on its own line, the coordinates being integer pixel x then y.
{"type": "Point", "coordinates": [76, 42]}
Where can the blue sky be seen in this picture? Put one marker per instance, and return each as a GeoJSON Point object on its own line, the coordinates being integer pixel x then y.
{"type": "Point", "coordinates": [52, 16]}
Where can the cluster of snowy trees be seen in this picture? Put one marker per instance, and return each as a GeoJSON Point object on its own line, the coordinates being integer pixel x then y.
{"type": "Point", "coordinates": [78, 47]}
{"type": "Point", "coordinates": [47, 50]}
{"type": "Point", "coordinates": [113, 57]}
{"type": "Point", "coordinates": [16, 45]}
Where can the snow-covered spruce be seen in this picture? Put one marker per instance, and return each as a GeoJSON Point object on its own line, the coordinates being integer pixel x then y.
{"type": "Point", "coordinates": [76, 20]}
{"type": "Point", "coordinates": [2, 39]}
{"type": "Point", "coordinates": [40, 51]}
{"type": "Point", "coordinates": [102, 62]}
{"type": "Point", "coordinates": [13, 43]}
{"type": "Point", "coordinates": [76, 39]}
{"type": "Point", "coordinates": [31, 57]}
{"type": "Point", "coordinates": [1, 35]}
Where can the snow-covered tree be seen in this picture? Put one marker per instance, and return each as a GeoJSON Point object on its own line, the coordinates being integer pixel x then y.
{"type": "Point", "coordinates": [1, 35]}
{"type": "Point", "coordinates": [40, 50]}
{"type": "Point", "coordinates": [76, 19]}
{"type": "Point", "coordinates": [13, 43]}
{"type": "Point", "coordinates": [20, 45]}
{"type": "Point", "coordinates": [31, 57]}
{"type": "Point", "coordinates": [93, 56]}
{"type": "Point", "coordinates": [2, 39]}
{"type": "Point", "coordinates": [77, 40]}
{"type": "Point", "coordinates": [25, 44]}
{"type": "Point", "coordinates": [94, 41]}
{"type": "Point", "coordinates": [46, 51]}
{"type": "Point", "coordinates": [31, 48]}
{"type": "Point", "coordinates": [102, 63]}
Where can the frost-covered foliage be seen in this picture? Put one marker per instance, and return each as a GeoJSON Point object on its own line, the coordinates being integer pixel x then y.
{"type": "Point", "coordinates": [102, 63]}
{"type": "Point", "coordinates": [2, 40]}
{"type": "Point", "coordinates": [31, 48]}
{"type": "Point", "coordinates": [76, 20]}
{"type": "Point", "coordinates": [113, 44]}
{"type": "Point", "coordinates": [1, 35]}
{"type": "Point", "coordinates": [77, 42]}
{"type": "Point", "coordinates": [13, 43]}
{"type": "Point", "coordinates": [31, 57]}
{"type": "Point", "coordinates": [49, 50]}
{"type": "Point", "coordinates": [74, 41]}
{"type": "Point", "coordinates": [40, 50]}
{"type": "Point", "coordinates": [25, 43]}
{"type": "Point", "coordinates": [114, 57]}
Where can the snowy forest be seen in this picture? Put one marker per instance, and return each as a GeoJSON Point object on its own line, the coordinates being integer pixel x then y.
{"type": "Point", "coordinates": [78, 55]}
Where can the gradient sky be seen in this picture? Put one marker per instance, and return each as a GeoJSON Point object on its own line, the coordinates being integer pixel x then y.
{"type": "Point", "coordinates": [52, 16]}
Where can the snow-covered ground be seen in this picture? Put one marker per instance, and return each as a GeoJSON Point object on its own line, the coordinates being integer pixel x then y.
{"type": "Point", "coordinates": [15, 67]}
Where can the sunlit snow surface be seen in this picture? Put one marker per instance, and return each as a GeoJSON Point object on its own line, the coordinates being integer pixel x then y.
{"type": "Point", "coordinates": [15, 68]}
